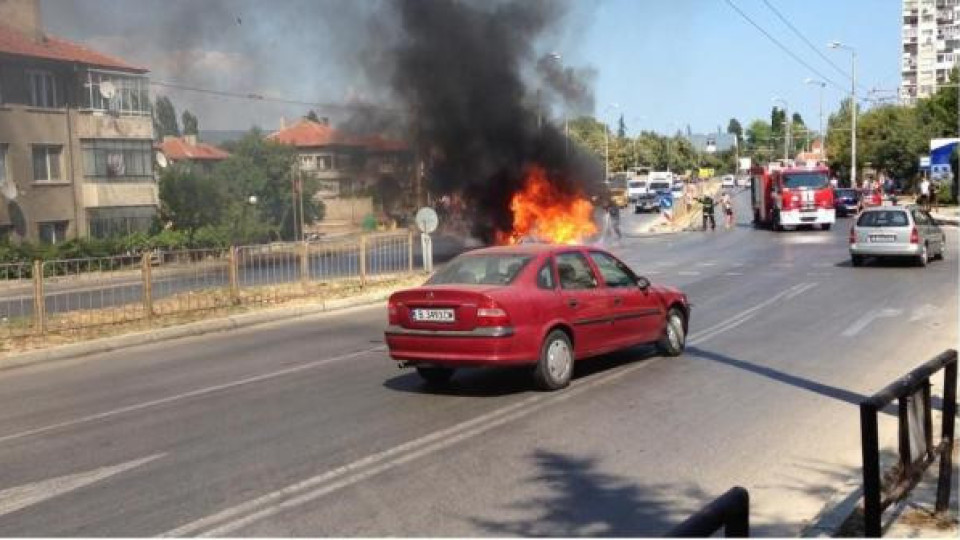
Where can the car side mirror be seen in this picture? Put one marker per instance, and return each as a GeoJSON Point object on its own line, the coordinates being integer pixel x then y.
{"type": "Point", "coordinates": [643, 283]}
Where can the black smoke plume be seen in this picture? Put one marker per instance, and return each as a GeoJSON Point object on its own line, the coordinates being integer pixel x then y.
{"type": "Point", "coordinates": [460, 67]}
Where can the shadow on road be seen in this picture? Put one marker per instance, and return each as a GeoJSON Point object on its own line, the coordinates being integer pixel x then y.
{"type": "Point", "coordinates": [841, 394]}
{"type": "Point", "coordinates": [580, 500]}
{"type": "Point", "coordinates": [493, 382]}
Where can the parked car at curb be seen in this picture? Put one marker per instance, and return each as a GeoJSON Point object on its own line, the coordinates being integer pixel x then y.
{"type": "Point", "coordinates": [537, 305]}
{"type": "Point", "coordinates": [896, 231]}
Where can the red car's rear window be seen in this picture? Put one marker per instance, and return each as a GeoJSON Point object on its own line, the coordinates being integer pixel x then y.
{"type": "Point", "coordinates": [499, 269]}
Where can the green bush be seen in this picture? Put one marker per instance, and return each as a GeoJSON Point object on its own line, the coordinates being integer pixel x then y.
{"type": "Point", "coordinates": [370, 223]}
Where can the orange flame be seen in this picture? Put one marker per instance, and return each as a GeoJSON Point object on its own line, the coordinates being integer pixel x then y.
{"type": "Point", "coordinates": [542, 211]}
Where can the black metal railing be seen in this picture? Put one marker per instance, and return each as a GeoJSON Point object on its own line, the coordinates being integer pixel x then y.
{"type": "Point", "coordinates": [916, 449]}
{"type": "Point", "coordinates": [730, 512]}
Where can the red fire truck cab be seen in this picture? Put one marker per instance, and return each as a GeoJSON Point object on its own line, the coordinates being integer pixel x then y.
{"type": "Point", "coordinates": [790, 196]}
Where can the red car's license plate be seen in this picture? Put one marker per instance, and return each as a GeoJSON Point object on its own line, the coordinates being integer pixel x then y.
{"type": "Point", "coordinates": [433, 315]}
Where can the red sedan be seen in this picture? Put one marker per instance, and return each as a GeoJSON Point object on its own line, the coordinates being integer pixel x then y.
{"type": "Point", "coordinates": [870, 198]}
{"type": "Point", "coordinates": [533, 304]}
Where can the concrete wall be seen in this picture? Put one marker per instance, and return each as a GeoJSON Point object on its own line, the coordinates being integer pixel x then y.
{"type": "Point", "coordinates": [352, 210]}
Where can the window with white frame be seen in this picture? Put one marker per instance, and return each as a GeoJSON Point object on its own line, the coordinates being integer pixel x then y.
{"type": "Point", "coordinates": [53, 232]}
{"type": "Point", "coordinates": [43, 88]}
{"type": "Point", "coordinates": [46, 163]}
{"type": "Point", "coordinates": [130, 96]}
{"type": "Point", "coordinates": [117, 160]}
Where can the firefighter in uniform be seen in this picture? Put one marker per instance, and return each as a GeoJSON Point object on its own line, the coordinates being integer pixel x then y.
{"type": "Point", "coordinates": [708, 207]}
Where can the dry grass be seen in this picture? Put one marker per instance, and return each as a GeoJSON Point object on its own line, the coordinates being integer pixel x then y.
{"type": "Point", "coordinates": [83, 325]}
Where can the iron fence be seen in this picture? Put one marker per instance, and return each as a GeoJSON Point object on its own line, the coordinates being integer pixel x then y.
{"type": "Point", "coordinates": [730, 512]}
{"type": "Point", "coordinates": [916, 447]}
{"type": "Point", "coordinates": [65, 295]}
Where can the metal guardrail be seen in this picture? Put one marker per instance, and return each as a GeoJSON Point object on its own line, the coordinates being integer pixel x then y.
{"type": "Point", "coordinates": [916, 448]}
{"type": "Point", "coordinates": [67, 295]}
{"type": "Point", "coordinates": [730, 512]}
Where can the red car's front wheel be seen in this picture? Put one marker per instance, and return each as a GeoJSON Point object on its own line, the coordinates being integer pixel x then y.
{"type": "Point", "coordinates": [674, 334]}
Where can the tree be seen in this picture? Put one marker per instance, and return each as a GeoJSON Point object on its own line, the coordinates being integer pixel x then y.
{"type": "Point", "coordinates": [734, 127]}
{"type": "Point", "coordinates": [190, 123]}
{"type": "Point", "coordinates": [312, 116]}
{"type": "Point", "coordinates": [165, 118]}
{"type": "Point", "coordinates": [189, 199]}
{"type": "Point", "coordinates": [621, 128]}
{"type": "Point", "coordinates": [778, 117]}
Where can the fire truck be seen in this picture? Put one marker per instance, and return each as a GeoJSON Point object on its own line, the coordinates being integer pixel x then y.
{"type": "Point", "coordinates": [785, 195]}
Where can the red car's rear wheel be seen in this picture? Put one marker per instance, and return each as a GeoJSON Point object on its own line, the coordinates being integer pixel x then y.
{"type": "Point", "coordinates": [555, 366]}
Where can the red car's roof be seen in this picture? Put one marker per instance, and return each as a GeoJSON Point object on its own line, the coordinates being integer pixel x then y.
{"type": "Point", "coordinates": [526, 249]}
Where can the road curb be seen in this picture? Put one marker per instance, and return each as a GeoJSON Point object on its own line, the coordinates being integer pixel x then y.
{"type": "Point", "coordinates": [839, 508]}
{"type": "Point", "coordinates": [199, 328]}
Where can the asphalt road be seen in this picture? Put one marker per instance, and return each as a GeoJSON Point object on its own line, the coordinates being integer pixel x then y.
{"type": "Point", "coordinates": [307, 428]}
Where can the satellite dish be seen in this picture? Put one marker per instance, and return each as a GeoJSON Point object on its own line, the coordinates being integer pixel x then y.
{"type": "Point", "coordinates": [8, 189]}
{"type": "Point", "coordinates": [108, 89]}
{"type": "Point", "coordinates": [162, 160]}
{"type": "Point", "coordinates": [427, 220]}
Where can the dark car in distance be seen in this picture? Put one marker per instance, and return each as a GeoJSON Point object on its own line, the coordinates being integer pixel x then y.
{"type": "Point", "coordinates": [846, 201]}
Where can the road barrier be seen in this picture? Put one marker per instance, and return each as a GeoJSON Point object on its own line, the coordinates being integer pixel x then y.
{"type": "Point", "coordinates": [915, 434]}
{"type": "Point", "coordinates": [730, 512]}
{"type": "Point", "coordinates": [55, 296]}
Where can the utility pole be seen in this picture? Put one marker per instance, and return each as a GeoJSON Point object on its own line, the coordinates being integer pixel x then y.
{"type": "Point", "coordinates": [853, 108]}
{"type": "Point", "coordinates": [787, 120]}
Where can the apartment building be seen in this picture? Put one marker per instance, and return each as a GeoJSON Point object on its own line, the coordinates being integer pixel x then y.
{"type": "Point", "coordinates": [76, 136]}
{"type": "Point", "coordinates": [931, 46]}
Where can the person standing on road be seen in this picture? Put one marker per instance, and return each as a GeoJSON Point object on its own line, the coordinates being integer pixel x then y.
{"type": "Point", "coordinates": [727, 204]}
{"type": "Point", "coordinates": [924, 198]}
{"type": "Point", "coordinates": [614, 212]}
{"type": "Point", "coordinates": [708, 205]}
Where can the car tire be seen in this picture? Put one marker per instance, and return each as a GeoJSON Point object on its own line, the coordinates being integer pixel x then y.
{"type": "Point", "coordinates": [674, 338]}
{"type": "Point", "coordinates": [555, 367]}
{"type": "Point", "coordinates": [825, 227]}
{"type": "Point", "coordinates": [924, 257]}
{"type": "Point", "coordinates": [939, 255]}
{"type": "Point", "coordinates": [856, 260]}
{"type": "Point", "coordinates": [435, 375]}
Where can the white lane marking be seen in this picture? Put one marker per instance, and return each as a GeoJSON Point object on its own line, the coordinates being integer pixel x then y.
{"type": "Point", "coordinates": [733, 273]}
{"type": "Point", "coordinates": [688, 273]}
{"type": "Point", "coordinates": [923, 312]}
{"type": "Point", "coordinates": [229, 520]}
{"type": "Point", "coordinates": [868, 318]}
{"type": "Point", "coordinates": [819, 274]}
{"type": "Point", "coordinates": [782, 265]}
{"type": "Point", "coordinates": [708, 263]}
{"type": "Point", "coordinates": [20, 497]}
{"type": "Point", "coordinates": [748, 314]}
{"type": "Point", "coordinates": [186, 395]}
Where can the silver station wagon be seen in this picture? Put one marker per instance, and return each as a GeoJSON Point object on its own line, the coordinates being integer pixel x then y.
{"type": "Point", "coordinates": [896, 231]}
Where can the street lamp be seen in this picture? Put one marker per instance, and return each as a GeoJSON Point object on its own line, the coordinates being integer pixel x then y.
{"type": "Point", "coordinates": [787, 121]}
{"type": "Point", "coordinates": [853, 108]}
{"type": "Point", "coordinates": [606, 141]}
{"type": "Point", "coordinates": [558, 58]}
{"type": "Point", "coordinates": [823, 138]}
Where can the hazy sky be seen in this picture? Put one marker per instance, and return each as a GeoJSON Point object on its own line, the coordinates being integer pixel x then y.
{"type": "Point", "coordinates": [663, 63]}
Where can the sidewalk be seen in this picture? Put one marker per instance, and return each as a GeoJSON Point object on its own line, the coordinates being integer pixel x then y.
{"type": "Point", "coordinates": [949, 215]}
{"type": "Point", "coordinates": [914, 517]}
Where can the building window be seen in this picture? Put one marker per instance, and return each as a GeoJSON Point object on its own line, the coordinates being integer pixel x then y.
{"type": "Point", "coordinates": [43, 88]}
{"type": "Point", "coordinates": [121, 220]}
{"type": "Point", "coordinates": [324, 163]}
{"type": "Point", "coordinates": [3, 164]}
{"type": "Point", "coordinates": [46, 163]}
{"type": "Point", "coordinates": [113, 160]}
{"type": "Point", "coordinates": [53, 232]}
{"type": "Point", "coordinates": [130, 95]}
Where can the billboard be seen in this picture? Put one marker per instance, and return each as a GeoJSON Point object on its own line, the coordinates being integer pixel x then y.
{"type": "Point", "coordinates": [745, 164]}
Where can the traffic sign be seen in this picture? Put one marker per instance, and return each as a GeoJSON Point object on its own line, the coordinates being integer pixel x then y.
{"type": "Point", "coordinates": [427, 220]}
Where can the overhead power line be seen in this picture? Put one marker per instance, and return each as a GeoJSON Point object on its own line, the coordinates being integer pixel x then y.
{"type": "Point", "coordinates": [784, 48]}
{"type": "Point", "coordinates": [274, 99]}
{"type": "Point", "coordinates": [813, 47]}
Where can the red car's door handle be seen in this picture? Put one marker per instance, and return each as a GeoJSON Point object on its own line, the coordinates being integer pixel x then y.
{"type": "Point", "coordinates": [573, 302]}
{"type": "Point", "coordinates": [617, 301]}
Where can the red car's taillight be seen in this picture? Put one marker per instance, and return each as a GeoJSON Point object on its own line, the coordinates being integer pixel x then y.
{"type": "Point", "coordinates": [490, 313]}
{"type": "Point", "coordinates": [393, 312]}
{"type": "Point", "coordinates": [853, 235]}
{"type": "Point", "coordinates": [914, 236]}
